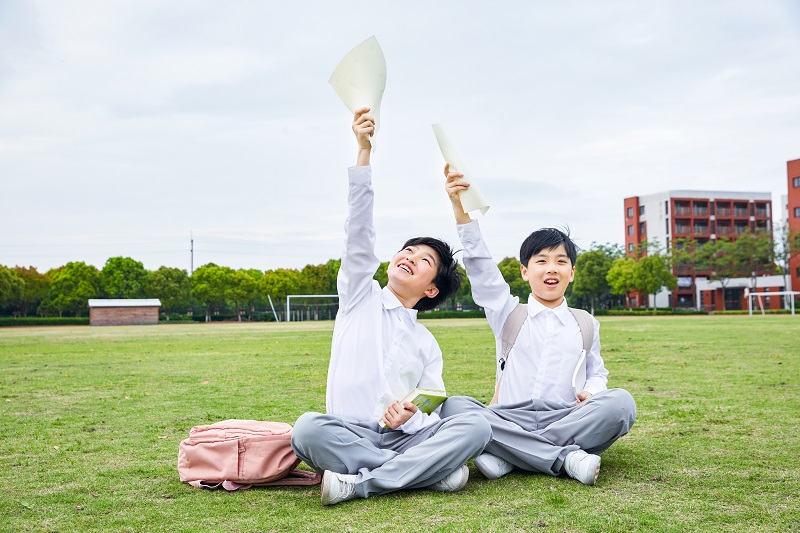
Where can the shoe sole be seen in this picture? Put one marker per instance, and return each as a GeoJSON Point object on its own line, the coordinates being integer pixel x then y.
{"type": "Point", "coordinates": [324, 493]}
{"type": "Point", "coordinates": [458, 487]}
{"type": "Point", "coordinates": [486, 471]}
{"type": "Point", "coordinates": [596, 472]}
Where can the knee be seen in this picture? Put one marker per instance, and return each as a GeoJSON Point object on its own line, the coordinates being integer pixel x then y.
{"type": "Point", "coordinates": [455, 405]}
{"type": "Point", "coordinates": [304, 430]}
{"type": "Point", "coordinates": [481, 428]}
{"type": "Point", "coordinates": [473, 426]}
{"type": "Point", "coordinates": [624, 405]}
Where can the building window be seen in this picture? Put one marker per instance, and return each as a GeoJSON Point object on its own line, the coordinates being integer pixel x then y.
{"type": "Point", "coordinates": [641, 228]}
{"type": "Point", "coordinates": [630, 249]}
{"type": "Point", "coordinates": [797, 212]}
{"type": "Point", "coordinates": [630, 229]}
{"type": "Point", "coordinates": [641, 210]}
{"type": "Point", "coordinates": [630, 212]}
{"type": "Point", "coordinates": [796, 182]}
{"type": "Point", "coordinates": [667, 223]}
{"type": "Point", "coordinates": [666, 207]}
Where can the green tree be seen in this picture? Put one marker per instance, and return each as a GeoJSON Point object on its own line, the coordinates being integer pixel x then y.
{"type": "Point", "coordinates": [755, 254]}
{"type": "Point", "coordinates": [170, 285]}
{"type": "Point", "coordinates": [509, 269]}
{"type": "Point", "coordinates": [123, 277]}
{"type": "Point", "coordinates": [651, 273]}
{"type": "Point", "coordinates": [210, 286]}
{"type": "Point", "coordinates": [787, 248]}
{"type": "Point", "coordinates": [591, 271]}
{"type": "Point", "coordinates": [684, 256]}
{"type": "Point", "coordinates": [464, 294]}
{"type": "Point", "coordinates": [620, 276]}
{"type": "Point", "coordinates": [11, 287]}
{"type": "Point", "coordinates": [276, 284]}
{"type": "Point", "coordinates": [241, 290]}
{"type": "Point", "coordinates": [255, 301]}
{"type": "Point", "coordinates": [717, 258]}
{"type": "Point", "coordinates": [73, 285]}
{"type": "Point", "coordinates": [34, 291]}
{"type": "Point", "coordinates": [333, 265]}
{"type": "Point", "coordinates": [381, 275]}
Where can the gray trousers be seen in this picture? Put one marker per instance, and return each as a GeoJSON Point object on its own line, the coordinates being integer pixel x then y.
{"type": "Point", "coordinates": [537, 435]}
{"type": "Point", "coordinates": [386, 460]}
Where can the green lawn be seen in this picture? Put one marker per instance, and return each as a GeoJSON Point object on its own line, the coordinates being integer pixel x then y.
{"type": "Point", "coordinates": [92, 418]}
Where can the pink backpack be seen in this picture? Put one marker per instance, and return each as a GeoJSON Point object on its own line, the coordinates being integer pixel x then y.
{"type": "Point", "coordinates": [235, 454]}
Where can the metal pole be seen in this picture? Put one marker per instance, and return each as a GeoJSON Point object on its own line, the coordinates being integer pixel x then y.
{"type": "Point", "coordinates": [273, 309]}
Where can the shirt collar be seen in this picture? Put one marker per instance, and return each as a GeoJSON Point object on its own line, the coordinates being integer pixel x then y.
{"type": "Point", "coordinates": [390, 301]}
{"type": "Point", "coordinates": [535, 307]}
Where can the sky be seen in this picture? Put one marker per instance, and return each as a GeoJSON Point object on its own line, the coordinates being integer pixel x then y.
{"type": "Point", "coordinates": [131, 128]}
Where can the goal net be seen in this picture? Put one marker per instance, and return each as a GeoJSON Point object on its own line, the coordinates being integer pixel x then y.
{"type": "Point", "coordinates": [760, 296]}
{"type": "Point", "coordinates": [311, 307]}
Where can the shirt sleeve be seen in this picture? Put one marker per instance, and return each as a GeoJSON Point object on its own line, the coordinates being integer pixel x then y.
{"type": "Point", "coordinates": [596, 373]}
{"type": "Point", "coordinates": [489, 288]}
{"type": "Point", "coordinates": [359, 262]}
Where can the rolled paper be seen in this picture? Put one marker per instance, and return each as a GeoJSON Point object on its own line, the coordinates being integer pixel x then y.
{"type": "Point", "coordinates": [471, 199]}
{"type": "Point", "coordinates": [360, 79]}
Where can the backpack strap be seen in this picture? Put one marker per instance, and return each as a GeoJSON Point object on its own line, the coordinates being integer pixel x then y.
{"type": "Point", "coordinates": [513, 325]}
{"type": "Point", "coordinates": [508, 336]}
{"type": "Point", "coordinates": [587, 326]}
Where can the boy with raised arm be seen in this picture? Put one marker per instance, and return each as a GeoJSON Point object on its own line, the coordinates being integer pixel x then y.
{"type": "Point", "coordinates": [379, 353]}
{"type": "Point", "coordinates": [540, 422]}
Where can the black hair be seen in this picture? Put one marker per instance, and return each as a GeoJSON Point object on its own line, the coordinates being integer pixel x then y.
{"type": "Point", "coordinates": [448, 276]}
{"type": "Point", "coordinates": [547, 239]}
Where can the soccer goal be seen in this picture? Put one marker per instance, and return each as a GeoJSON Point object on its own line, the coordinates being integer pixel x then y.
{"type": "Point", "coordinates": [761, 295]}
{"type": "Point", "coordinates": [311, 307]}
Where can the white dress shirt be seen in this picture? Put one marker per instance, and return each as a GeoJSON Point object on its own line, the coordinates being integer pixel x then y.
{"type": "Point", "coordinates": [379, 351]}
{"type": "Point", "coordinates": [543, 359]}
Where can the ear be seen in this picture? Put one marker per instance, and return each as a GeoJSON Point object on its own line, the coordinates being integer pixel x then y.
{"type": "Point", "coordinates": [524, 271]}
{"type": "Point", "coordinates": [572, 275]}
{"type": "Point", "coordinates": [431, 291]}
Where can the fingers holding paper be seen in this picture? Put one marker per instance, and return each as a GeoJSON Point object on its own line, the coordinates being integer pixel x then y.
{"type": "Point", "coordinates": [455, 185]}
{"type": "Point", "coordinates": [398, 414]}
{"type": "Point", "coordinates": [363, 127]}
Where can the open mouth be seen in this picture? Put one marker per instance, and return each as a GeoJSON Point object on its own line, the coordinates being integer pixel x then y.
{"type": "Point", "coordinates": [551, 282]}
{"type": "Point", "coordinates": [403, 266]}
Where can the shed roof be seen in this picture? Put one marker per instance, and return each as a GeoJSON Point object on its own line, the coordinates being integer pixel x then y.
{"type": "Point", "coordinates": [125, 302]}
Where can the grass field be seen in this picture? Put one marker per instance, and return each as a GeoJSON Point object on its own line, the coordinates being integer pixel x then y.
{"type": "Point", "coordinates": [92, 418]}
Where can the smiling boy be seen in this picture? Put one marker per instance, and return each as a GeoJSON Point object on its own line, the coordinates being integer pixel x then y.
{"type": "Point", "coordinates": [540, 422]}
{"type": "Point", "coordinates": [379, 353]}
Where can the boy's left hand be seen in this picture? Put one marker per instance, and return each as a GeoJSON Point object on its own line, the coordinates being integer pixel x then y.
{"type": "Point", "coordinates": [398, 414]}
{"type": "Point", "coordinates": [583, 397]}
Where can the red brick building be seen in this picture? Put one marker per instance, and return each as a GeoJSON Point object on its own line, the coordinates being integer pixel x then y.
{"type": "Point", "coordinates": [793, 216]}
{"type": "Point", "coordinates": [124, 312]}
{"type": "Point", "coordinates": [665, 217]}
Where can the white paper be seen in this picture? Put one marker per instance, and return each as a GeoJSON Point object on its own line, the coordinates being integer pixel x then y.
{"type": "Point", "coordinates": [360, 79]}
{"type": "Point", "coordinates": [472, 198]}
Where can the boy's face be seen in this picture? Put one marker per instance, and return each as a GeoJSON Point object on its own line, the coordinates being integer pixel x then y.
{"type": "Point", "coordinates": [549, 273]}
{"type": "Point", "coordinates": [412, 270]}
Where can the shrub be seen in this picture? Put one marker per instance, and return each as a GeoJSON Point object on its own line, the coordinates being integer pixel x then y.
{"type": "Point", "coordinates": [44, 321]}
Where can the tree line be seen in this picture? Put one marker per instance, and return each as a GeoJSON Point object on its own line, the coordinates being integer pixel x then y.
{"type": "Point", "coordinates": [604, 274]}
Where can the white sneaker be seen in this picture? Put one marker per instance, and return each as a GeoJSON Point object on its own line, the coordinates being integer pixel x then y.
{"type": "Point", "coordinates": [337, 487]}
{"type": "Point", "coordinates": [455, 481]}
{"type": "Point", "coordinates": [492, 466]}
{"type": "Point", "coordinates": [583, 466]}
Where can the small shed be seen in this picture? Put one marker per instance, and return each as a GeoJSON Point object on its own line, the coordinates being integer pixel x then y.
{"type": "Point", "coordinates": [124, 312]}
